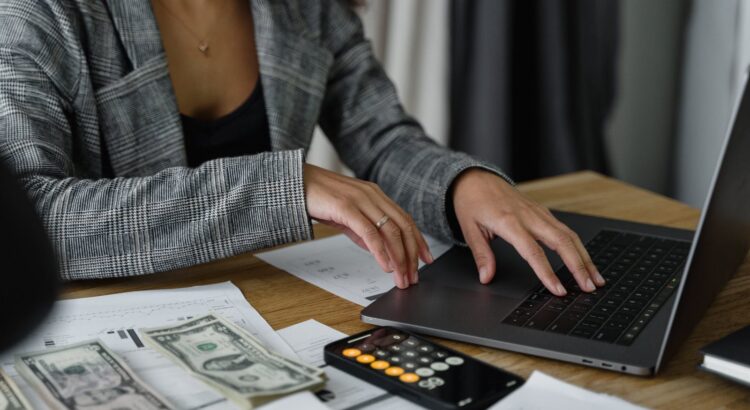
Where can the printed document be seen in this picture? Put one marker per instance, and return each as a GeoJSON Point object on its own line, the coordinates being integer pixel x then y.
{"type": "Point", "coordinates": [339, 266]}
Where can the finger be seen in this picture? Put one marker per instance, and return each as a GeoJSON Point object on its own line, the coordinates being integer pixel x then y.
{"type": "Point", "coordinates": [391, 233]}
{"type": "Point", "coordinates": [397, 252]}
{"type": "Point", "coordinates": [515, 234]}
{"type": "Point", "coordinates": [404, 220]}
{"type": "Point", "coordinates": [478, 242]}
{"type": "Point", "coordinates": [584, 254]}
{"type": "Point", "coordinates": [561, 242]}
{"type": "Point", "coordinates": [353, 219]}
{"type": "Point", "coordinates": [410, 234]}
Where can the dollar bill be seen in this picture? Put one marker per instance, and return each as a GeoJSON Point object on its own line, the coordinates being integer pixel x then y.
{"type": "Point", "coordinates": [86, 376]}
{"type": "Point", "coordinates": [232, 361]}
{"type": "Point", "coordinates": [10, 396]}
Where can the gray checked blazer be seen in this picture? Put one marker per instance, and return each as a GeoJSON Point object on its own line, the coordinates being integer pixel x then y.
{"type": "Point", "coordinates": [81, 76]}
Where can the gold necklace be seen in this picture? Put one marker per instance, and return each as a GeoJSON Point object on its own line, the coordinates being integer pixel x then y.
{"type": "Point", "coordinates": [202, 42]}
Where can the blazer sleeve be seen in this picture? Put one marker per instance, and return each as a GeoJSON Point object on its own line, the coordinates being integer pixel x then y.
{"type": "Point", "coordinates": [103, 228]}
{"type": "Point", "coordinates": [367, 125]}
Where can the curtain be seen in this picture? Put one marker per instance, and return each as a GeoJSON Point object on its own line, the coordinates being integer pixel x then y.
{"type": "Point", "coordinates": [532, 83]}
{"type": "Point", "coordinates": [410, 38]}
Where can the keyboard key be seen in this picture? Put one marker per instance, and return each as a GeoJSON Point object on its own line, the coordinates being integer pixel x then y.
{"type": "Point", "coordinates": [623, 317]}
{"type": "Point", "coordinates": [607, 335]}
{"type": "Point", "coordinates": [598, 316]}
{"type": "Point", "coordinates": [590, 324]}
{"type": "Point", "coordinates": [582, 332]}
{"type": "Point", "coordinates": [577, 316]}
{"type": "Point", "coordinates": [563, 325]}
{"type": "Point", "coordinates": [542, 319]}
{"type": "Point", "coordinates": [604, 310]}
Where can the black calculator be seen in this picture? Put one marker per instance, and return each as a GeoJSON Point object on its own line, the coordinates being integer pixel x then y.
{"type": "Point", "coordinates": [419, 370]}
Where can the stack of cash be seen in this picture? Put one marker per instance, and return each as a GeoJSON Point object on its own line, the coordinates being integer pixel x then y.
{"type": "Point", "coordinates": [10, 397]}
{"type": "Point", "coordinates": [233, 362]}
{"type": "Point", "coordinates": [86, 375]}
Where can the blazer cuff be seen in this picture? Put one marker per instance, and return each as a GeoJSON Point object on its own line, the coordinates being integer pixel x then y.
{"type": "Point", "coordinates": [281, 214]}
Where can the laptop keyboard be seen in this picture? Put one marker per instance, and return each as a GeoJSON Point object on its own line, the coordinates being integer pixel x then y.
{"type": "Point", "coordinates": [641, 273]}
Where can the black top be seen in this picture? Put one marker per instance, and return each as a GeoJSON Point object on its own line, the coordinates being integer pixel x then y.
{"type": "Point", "coordinates": [244, 131]}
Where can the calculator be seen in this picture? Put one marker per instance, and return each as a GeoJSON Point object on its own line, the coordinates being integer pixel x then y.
{"type": "Point", "coordinates": [419, 370]}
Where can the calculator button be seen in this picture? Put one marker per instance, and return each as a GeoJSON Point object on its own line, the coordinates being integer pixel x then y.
{"type": "Point", "coordinates": [411, 342]}
{"type": "Point", "coordinates": [425, 349]}
{"type": "Point", "coordinates": [365, 358]}
{"type": "Point", "coordinates": [351, 352]}
{"type": "Point", "coordinates": [381, 353]}
{"type": "Point", "coordinates": [409, 365]}
{"type": "Point", "coordinates": [409, 354]}
{"type": "Point", "coordinates": [431, 383]}
{"type": "Point", "coordinates": [409, 378]}
{"type": "Point", "coordinates": [439, 366]}
{"type": "Point", "coordinates": [380, 364]}
{"type": "Point", "coordinates": [397, 338]}
{"type": "Point", "coordinates": [424, 372]}
{"type": "Point", "coordinates": [454, 361]}
{"type": "Point", "coordinates": [425, 360]}
{"type": "Point", "coordinates": [396, 360]}
{"type": "Point", "coordinates": [440, 355]}
{"type": "Point", "coordinates": [366, 347]}
{"type": "Point", "coordinates": [437, 381]}
{"type": "Point", "coordinates": [396, 348]}
{"type": "Point", "coordinates": [394, 371]}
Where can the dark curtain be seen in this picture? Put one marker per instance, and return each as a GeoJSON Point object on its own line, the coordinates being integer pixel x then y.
{"type": "Point", "coordinates": [532, 83]}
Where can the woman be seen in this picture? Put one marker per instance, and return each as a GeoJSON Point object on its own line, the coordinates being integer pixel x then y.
{"type": "Point", "coordinates": [153, 135]}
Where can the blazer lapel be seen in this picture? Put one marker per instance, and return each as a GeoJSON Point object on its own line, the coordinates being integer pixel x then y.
{"type": "Point", "coordinates": [136, 26]}
{"type": "Point", "coordinates": [293, 69]}
{"type": "Point", "coordinates": [146, 137]}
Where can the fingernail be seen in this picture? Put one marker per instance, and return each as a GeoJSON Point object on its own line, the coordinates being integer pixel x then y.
{"type": "Point", "coordinates": [483, 272]}
{"type": "Point", "coordinates": [415, 278]}
{"type": "Point", "coordinates": [431, 258]}
{"type": "Point", "coordinates": [590, 285]}
{"type": "Point", "coordinates": [561, 290]}
{"type": "Point", "coordinates": [600, 279]}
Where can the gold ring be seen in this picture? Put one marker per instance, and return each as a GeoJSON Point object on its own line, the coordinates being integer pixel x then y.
{"type": "Point", "coordinates": [384, 220]}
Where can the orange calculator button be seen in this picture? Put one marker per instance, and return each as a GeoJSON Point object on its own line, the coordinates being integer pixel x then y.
{"type": "Point", "coordinates": [366, 358]}
{"type": "Point", "coordinates": [394, 371]}
{"type": "Point", "coordinates": [379, 364]}
{"type": "Point", "coordinates": [409, 378]}
{"type": "Point", "coordinates": [351, 352]}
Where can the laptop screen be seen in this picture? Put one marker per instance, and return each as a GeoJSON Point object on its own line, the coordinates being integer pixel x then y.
{"type": "Point", "coordinates": [723, 235]}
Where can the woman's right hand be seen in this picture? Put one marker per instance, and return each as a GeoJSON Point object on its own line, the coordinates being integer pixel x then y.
{"type": "Point", "coordinates": [355, 207]}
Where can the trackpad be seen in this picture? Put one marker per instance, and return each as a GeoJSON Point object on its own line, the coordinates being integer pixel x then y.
{"type": "Point", "coordinates": [456, 269]}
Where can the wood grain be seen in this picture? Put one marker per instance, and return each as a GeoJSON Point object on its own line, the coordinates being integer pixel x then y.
{"type": "Point", "coordinates": [284, 300]}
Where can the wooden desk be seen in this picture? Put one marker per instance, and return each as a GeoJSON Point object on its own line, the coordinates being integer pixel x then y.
{"type": "Point", "coordinates": [284, 300]}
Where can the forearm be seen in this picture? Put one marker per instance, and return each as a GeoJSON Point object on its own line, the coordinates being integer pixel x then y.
{"type": "Point", "coordinates": [176, 218]}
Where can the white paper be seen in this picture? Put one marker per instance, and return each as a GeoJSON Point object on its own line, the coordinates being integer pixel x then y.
{"type": "Point", "coordinates": [115, 319]}
{"type": "Point", "coordinates": [342, 391]}
{"type": "Point", "coordinates": [298, 401]}
{"type": "Point", "coordinates": [545, 392]}
{"type": "Point", "coordinates": [339, 266]}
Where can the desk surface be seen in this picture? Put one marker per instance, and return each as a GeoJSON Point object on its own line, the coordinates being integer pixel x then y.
{"type": "Point", "coordinates": [680, 385]}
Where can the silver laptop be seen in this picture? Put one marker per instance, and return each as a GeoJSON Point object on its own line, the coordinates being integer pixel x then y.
{"type": "Point", "coordinates": [660, 281]}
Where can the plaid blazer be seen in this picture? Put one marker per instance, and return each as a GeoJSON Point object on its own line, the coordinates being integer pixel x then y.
{"type": "Point", "coordinates": [78, 77]}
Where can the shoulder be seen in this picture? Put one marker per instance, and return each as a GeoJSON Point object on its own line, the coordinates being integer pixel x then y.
{"type": "Point", "coordinates": [45, 33]}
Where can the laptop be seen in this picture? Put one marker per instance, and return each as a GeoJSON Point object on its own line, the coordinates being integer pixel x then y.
{"type": "Point", "coordinates": [660, 281]}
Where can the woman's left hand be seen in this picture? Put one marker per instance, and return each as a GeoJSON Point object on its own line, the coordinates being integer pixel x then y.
{"type": "Point", "coordinates": [486, 206]}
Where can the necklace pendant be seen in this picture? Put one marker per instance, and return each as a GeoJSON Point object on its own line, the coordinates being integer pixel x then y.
{"type": "Point", "coordinates": [203, 47]}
